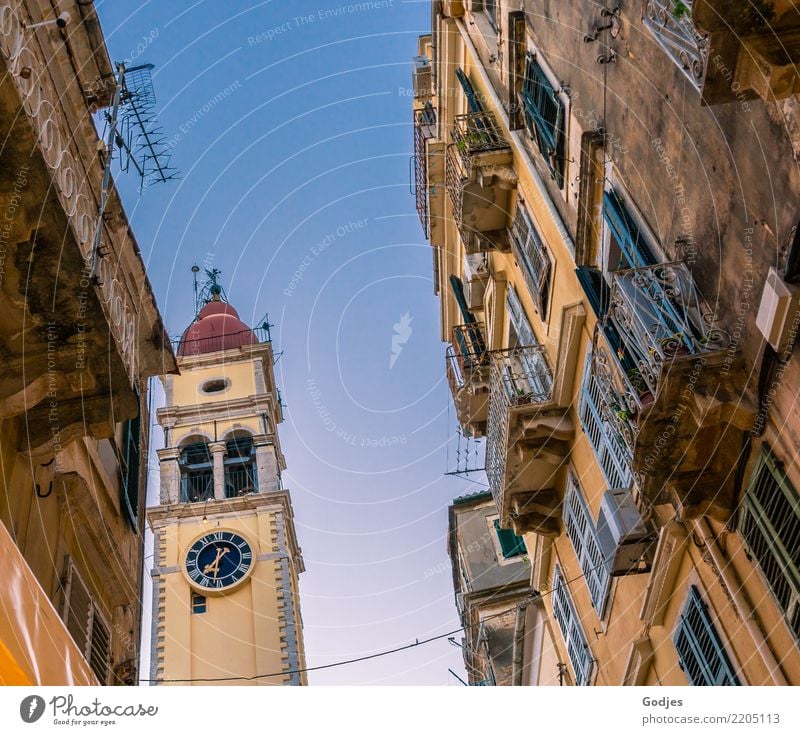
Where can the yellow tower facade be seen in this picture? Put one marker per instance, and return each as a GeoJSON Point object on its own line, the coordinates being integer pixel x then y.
{"type": "Point", "coordinates": [226, 558]}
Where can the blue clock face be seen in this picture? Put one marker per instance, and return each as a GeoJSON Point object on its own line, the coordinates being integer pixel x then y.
{"type": "Point", "coordinates": [218, 560]}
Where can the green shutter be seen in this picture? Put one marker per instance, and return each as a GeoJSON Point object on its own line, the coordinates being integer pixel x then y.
{"type": "Point", "coordinates": [131, 456]}
{"type": "Point", "coordinates": [511, 545]}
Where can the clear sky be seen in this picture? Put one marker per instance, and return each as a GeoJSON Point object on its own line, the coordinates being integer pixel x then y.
{"type": "Point", "coordinates": [291, 125]}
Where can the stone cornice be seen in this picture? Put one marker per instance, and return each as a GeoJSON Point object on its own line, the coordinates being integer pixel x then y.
{"type": "Point", "coordinates": [171, 416]}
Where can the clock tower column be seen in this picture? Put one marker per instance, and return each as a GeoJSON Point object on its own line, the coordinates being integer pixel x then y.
{"type": "Point", "coordinates": [226, 558]}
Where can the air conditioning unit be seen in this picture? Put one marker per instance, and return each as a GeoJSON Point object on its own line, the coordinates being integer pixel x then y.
{"type": "Point", "coordinates": [421, 77]}
{"type": "Point", "coordinates": [476, 277]}
{"type": "Point", "coordinates": [460, 602]}
{"type": "Point", "coordinates": [626, 541]}
{"type": "Point", "coordinates": [778, 310]}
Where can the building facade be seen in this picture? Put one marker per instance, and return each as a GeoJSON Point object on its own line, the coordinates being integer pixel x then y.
{"type": "Point", "coordinates": [609, 190]}
{"type": "Point", "coordinates": [80, 335]}
{"type": "Point", "coordinates": [226, 560]}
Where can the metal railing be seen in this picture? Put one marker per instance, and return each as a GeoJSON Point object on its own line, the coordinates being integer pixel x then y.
{"type": "Point", "coordinates": [197, 487]}
{"type": "Point", "coordinates": [520, 379]}
{"type": "Point", "coordinates": [670, 22]}
{"type": "Point", "coordinates": [456, 175]}
{"type": "Point", "coordinates": [240, 480]}
{"type": "Point", "coordinates": [477, 132]}
{"type": "Point", "coordinates": [466, 353]}
{"type": "Point", "coordinates": [424, 129]}
{"type": "Point", "coordinates": [660, 315]}
{"type": "Point", "coordinates": [656, 315]}
{"type": "Point", "coordinates": [214, 343]}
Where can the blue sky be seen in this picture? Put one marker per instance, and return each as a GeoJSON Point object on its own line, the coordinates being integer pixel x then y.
{"type": "Point", "coordinates": [293, 141]}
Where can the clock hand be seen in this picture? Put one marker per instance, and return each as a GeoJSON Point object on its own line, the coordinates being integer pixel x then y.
{"type": "Point", "coordinates": [214, 565]}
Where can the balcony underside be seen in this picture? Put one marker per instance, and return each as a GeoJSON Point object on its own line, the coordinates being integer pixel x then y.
{"type": "Point", "coordinates": [688, 440]}
{"type": "Point", "coordinates": [538, 446]}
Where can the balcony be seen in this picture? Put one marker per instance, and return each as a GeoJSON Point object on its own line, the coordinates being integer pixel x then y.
{"type": "Point", "coordinates": [671, 387]}
{"type": "Point", "coordinates": [479, 177]}
{"type": "Point", "coordinates": [527, 441]}
{"type": "Point", "coordinates": [428, 172]}
{"type": "Point", "coordinates": [731, 51]}
{"type": "Point", "coordinates": [468, 376]}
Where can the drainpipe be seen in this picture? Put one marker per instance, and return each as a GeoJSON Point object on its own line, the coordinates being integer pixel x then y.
{"type": "Point", "coordinates": [519, 643]}
{"type": "Point", "coordinates": [740, 601]}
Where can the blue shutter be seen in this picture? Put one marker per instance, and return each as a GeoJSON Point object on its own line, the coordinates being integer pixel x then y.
{"type": "Point", "coordinates": [700, 651]}
{"type": "Point", "coordinates": [568, 622]}
{"type": "Point", "coordinates": [581, 531]}
{"type": "Point", "coordinates": [608, 446]}
{"type": "Point", "coordinates": [633, 249]}
{"type": "Point", "coordinates": [473, 103]}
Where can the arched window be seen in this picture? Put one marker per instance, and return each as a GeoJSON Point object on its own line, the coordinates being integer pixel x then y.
{"type": "Point", "coordinates": [197, 470]}
{"type": "Point", "coordinates": [240, 465]}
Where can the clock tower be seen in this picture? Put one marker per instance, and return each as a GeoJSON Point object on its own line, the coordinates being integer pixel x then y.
{"type": "Point", "coordinates": [226, 559]}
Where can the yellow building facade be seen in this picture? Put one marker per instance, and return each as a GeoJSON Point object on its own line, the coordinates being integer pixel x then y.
{"type": "Point", "coordinates": [80, 336]}
{"type": "Point", "coordinates": [618, 331]}
{"type": "Point", "coordinates": [226, 560]}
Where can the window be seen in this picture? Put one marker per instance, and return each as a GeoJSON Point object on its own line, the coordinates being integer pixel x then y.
{"type": "Point", "coordinates": [85, 624]}
{"type": "Point", "coordinates": [568, 622]}
{"type": "Point", "coordinates": [609, 447]}
{"type": "Point", "coordinates": [130, 460]}
{"type": "Point", "coordinates": [197, 473]}
{"type": "Point", "coordinates": [770, 527]}
{"type": "Point", "coordinates": [199, 604]}
{"type": "Point", "coordinates": [527, 372]}
{"type": "Point", "coordinates": [627, 247]}
{"type": "Point", "coordinates": [215, 385]}
{"type": "Point", "coordinates": [240, 468]}
{"type": "Point", "coordinates": [700, 651]}
{"type": "Point", "coordinates": [511, 545]}
{"type": "Point", "coordinates": [582, 533]}
{"type": "Point", "coordinates": [533, 258]}
{"type": "Point", "coordinates": [544, 117]}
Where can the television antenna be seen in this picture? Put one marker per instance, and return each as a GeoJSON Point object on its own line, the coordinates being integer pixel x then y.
{"type": "Point", "coordinates": [131, 126]}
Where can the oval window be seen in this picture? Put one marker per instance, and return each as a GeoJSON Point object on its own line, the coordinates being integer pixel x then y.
{"type": "Point", "coordinates": [215, 385]}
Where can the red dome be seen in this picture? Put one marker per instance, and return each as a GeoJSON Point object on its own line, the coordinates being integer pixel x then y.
{"type": "Point", "coordinates": [216, 328]}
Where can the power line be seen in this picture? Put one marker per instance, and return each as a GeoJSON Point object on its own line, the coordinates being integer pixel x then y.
{"type": "Point", "coordinates": [368, 657]}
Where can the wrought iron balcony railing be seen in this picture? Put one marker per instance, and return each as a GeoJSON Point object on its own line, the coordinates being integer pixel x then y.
{"type": "Point", "coordinates": [520, 380]}
{"type": "Point", "coordinates": [670, 22]}
{"type": "Point", "coordinates": [424, 130]}
{"type": "Point", "coordinates": [476, 132]}
{"type": "Point", "coordinates": [240, 480]}
{"type": "Point", "coordinates": [656, 316]}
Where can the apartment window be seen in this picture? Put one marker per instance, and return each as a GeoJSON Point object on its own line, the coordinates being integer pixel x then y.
{"type": "Point", "coordinates": [700, 651]}
{"type": "Point", "coordinates": [544, 117]}
{"type": "Point", "coordinates": [130, 461]}
{"type": "Point", "coordinates": [582, 533]}
{"type": "Point", "coordinates": [85, 624]}
{"type": "Point", "coordinates": [568, 622]}
{"type": "Point", "coordinates": [533, 258]}
{"type": "Point", "coordinates": [473, 101]}
{"type": "Point", "coordinates": [511, 545]}
{"type": "Point", "coordinates": [627, 246]}
{"type": "Point", "coordinates": [199, 605]}
{"type": "Point", "coordinates": [610, 449]}
{"type": "Point", "coordinates": [527, 371]}
{"type": "Point", "coordinates": [770, 527]}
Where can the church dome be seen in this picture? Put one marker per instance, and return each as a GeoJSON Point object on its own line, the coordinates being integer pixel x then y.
{"type": "Point", "coordinates": [217, 327]}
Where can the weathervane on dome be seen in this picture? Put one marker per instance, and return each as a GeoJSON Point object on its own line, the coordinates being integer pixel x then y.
{"type": "Point", "coordinates": [208, 290]}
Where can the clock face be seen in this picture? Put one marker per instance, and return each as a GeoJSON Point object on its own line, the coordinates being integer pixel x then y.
{"type": "Point", "coordinates": [218, 560]}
